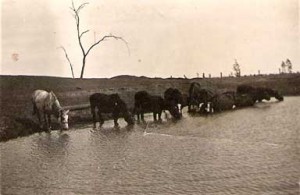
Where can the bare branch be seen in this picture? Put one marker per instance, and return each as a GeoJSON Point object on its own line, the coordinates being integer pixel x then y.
{"type": "Point", "coordinates": [83, 33]}
{"type": "Point", "coordinates": [126, 43]}
{"type": "Point", "coordinates": [105, 37]}
{"type": "Point", "coordinates": [78, 31]}
{"type": "Point", "coordinates": [61, 47]}
{"type": "Point", "coordinates": [81, 6]}
{"type": "Point", "coordinates": [73, 6]}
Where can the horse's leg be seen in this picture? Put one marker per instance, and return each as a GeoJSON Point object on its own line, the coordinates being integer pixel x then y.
{"type": "Point", "coordinates": [116, 122]}
{"type": "Point", "coordinates": [49, 121]}
{"type": "Point", "coordinates": [138, 116]}
{"type": "Point", "coordinates": [46, 121]}
{"type": "Point", "coordinates": [94, 116]}
{"type": "Point", "coordinates": [188, 104]}
{"type": "Point", "coordinates": [138, 113]}
{"type": "Point", "coordinates": [203, 108]}
{"type": "Point", "coordinates": [159, 115]}
{"type": "Point", "coordinates": [34, 109]}
{"type": "Point", "coordinates": [101, 120]}
{"type": "Point", "coordinates": [154, 116]}
{"type": "Point", "coordinates": [116, 117]}
{"type": "Point", "coordinates": [211, 107]}
{"type": "Point", "coordinates": [166, 114]}
{"type": "Point", "coordinates": [142, 115]}
{"type": "Point", "coordinates": [39, 118]}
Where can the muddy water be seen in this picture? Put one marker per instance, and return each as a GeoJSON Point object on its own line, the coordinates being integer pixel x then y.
{"type": "Point", "coordinates": [247, 151]}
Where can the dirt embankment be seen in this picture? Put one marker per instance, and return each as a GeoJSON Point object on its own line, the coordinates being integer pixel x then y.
{"type": "Point", "coordinates": [16, 107]}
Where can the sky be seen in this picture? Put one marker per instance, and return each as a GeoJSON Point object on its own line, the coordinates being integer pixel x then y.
{"type": "Point", "coordinates": [165, 37]}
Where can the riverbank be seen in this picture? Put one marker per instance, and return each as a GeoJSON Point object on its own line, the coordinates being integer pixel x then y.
{"type": "Point", "coordinates": [16, 107]}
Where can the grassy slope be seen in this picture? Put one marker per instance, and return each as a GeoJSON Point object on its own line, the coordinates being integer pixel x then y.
{"type": "Point", "coordinates": [16, 93]}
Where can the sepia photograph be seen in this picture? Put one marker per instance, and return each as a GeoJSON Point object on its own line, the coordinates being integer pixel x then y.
{"type": "Point", "coordinates": [150, 97]}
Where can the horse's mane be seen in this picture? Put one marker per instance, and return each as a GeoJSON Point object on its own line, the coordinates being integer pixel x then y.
{"type": "Point", "coordinates": [193, 86]}
{"type": "Point", "coordinates": [54, 102]}
{"type": "Point", "coordinates": [53, 95]}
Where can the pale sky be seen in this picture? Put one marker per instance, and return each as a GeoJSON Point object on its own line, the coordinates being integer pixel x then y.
{"type": "Point", "coordinates": [165, 37]}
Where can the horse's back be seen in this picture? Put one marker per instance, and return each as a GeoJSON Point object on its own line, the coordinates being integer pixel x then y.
{"type": "Point", "coordinates": [99, 98]}
{"type": "Point", "coordinates": [39, 98]}
{"type": "Point", "coordinates": [104, 102]}
{"type": "Point", "coordinates": [39, 95]}
{"type": "Point", "coordinates": [173, 94]}
{"type": "Point", "coordinates": [244, 89]}
{"type": "Point", "coordinates": [223, 101]}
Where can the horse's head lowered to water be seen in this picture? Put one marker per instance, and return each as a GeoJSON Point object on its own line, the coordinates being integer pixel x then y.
{"type": "Point", "coordinates": [46, 104]}
{"type": "Point", "coordinates": [174, 102]}
{"type": "Point", "coordinates": [64, 119]}
{"type": "Point", "coordinates": [199, 98]}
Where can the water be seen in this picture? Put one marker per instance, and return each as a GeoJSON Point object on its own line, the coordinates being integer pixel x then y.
{"type": "Point", "coordinates": [248, 151]}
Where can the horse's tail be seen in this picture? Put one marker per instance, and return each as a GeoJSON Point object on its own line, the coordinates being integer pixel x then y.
{"type": "Point", "coordinates": [92, 104]}
{"type": "Point", "coordinates": [34, 108]}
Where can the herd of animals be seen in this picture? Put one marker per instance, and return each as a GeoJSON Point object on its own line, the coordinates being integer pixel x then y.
{"type": "Point", "coordinates": [199, 100]}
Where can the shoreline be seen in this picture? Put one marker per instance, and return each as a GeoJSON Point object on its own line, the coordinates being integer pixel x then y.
{"type": "Point", "coordinates": [16, 106]}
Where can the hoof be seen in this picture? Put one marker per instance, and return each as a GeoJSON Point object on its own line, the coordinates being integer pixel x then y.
{"type": "Point", "coordinates": [117, 125]}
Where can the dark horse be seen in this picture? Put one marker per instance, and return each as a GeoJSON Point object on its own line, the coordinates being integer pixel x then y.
{"type": "Point", "coordinates": [198, 98]}
{"type": "Point", "coordinates": [46, 104]}
{"type": "Point", "coordinates": [109, 104]}
{"type": "Point", "coordinates": [223, 101]}
{"type": "Point", "coordinates": [174, 100]}
{"type": "Point", "coordinates": [230, 100]}
{"type": "Point", "coordinates": [208, 101]}
{"type": "Point", "coordinates": [271, 93]}
{"type": "Point", "coordinates": [259, 93]}
{"type": "Point", "coordinates": [145, 103]}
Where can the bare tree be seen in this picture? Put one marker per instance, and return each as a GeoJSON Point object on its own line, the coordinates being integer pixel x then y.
{"type": "Point", "coordinates": [86, 51]}
{"type": "Point", "coordinates": [68, 60]}
{"type": "Point", "coordinates": [289, 65]}
{"type": "Point", "coordinates": [237, 69]}
{"type": "Point", "coordinates": [283, 65]}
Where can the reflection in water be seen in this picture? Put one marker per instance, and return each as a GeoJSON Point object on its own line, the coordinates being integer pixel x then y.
{"type": "Point", "coordinates": [248, 151]}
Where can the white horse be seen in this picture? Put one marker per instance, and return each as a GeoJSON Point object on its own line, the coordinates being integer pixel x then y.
{"type": "Point", "coordinates": [44, 105]}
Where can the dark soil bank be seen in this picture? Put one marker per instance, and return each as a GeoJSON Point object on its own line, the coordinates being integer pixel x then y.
{"type": "Point", "coordinates": [16, 107]}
